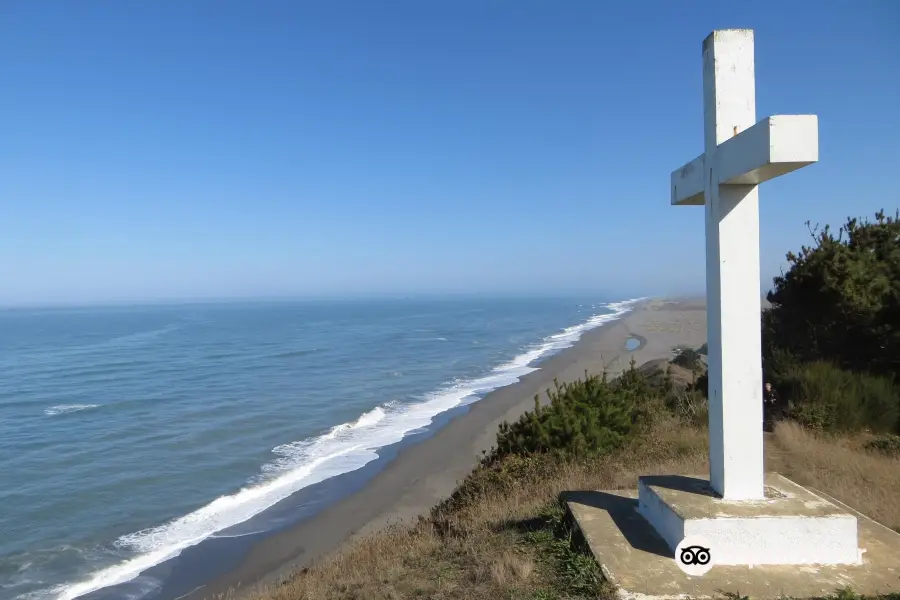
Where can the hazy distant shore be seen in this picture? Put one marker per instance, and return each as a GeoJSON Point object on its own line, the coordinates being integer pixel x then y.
{"type": "Point", "coordinates": [424, 472]}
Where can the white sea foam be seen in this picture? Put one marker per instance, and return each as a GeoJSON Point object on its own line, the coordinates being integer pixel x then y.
{"type": "Point", "coordinates": [62, 409]}
{"type": "Point", "coordinates": [342, 449]}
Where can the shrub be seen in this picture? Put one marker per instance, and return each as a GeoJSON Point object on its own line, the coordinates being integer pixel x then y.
{"type": "Point", "coordinates": [778, 365]}
{"type": "Point", "coordinates": [828, 398]}
{"type": "Point", "coordinates": [886, 443]}
{"type": "Point", "coordinates": [589, 416]}
{"type": "Point", "coordinates": [701, 385]}
{"type": "Point", "coordinates": [691, 406]}
{"type": "Point", "coordinates": [839, 304]}
{"type": "Point", "coordinates": [689, 359]}
{"type": "Point", "coordinates": [840, 299]}
{"type": "Point", "coordinates": [499, 478]}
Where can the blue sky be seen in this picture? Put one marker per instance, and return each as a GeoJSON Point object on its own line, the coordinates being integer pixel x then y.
{"type": "Point", "coordinates": [208, 149]}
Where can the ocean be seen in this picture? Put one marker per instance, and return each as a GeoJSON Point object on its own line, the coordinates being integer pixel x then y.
{"type": "Point", "coordinates": [129, 434]}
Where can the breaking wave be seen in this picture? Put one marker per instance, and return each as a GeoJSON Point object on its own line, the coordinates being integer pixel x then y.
{"type": "Point", "coordinates": [62, 409]}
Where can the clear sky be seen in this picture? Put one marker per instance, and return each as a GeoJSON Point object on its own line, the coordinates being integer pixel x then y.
{"type": "Point", "coordinates": [208, 149]}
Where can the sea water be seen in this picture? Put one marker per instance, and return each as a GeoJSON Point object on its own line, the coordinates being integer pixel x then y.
{"type": "Point", "coordinates": [128, 434]}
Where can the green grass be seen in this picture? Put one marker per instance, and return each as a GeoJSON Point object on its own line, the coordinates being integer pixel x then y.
{"type": "Point", "coordinates": [572, 568]}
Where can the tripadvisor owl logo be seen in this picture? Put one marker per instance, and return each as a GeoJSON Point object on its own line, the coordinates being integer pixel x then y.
{"type": "Point", "coordinates": [694, 556]}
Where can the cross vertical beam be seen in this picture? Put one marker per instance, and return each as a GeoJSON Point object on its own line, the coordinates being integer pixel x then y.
{"type": "Point", "coordinates": [732, 275]}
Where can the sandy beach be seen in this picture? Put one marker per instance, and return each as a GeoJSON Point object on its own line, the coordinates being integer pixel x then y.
{"type": "Point", "coordinates": [424, 473]}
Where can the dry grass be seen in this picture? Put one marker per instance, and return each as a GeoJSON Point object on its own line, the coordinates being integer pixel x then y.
{"type": "Point", "coordinates": [502, 535]}
{"type": "Point", "coordinates": [501, 539]}
{"type": "Point", "coordinates": [842, 468]}
{"type": "Point", "coordinates": [510, 569]}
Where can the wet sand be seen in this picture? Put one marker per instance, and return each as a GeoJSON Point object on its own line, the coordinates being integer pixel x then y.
{"type": "Point", "coordinates": [424, 473]}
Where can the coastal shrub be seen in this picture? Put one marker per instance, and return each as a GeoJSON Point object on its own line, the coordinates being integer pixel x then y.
{"type": "Point", "coordinates": [839, 301]}
{"type": "Point", "coordinates": [886, 443]}
{"type": "Point", "coordinates": [632, 386]}
{"type": "Point", "coordinates": [688, 403]}
{"type": "Point", "coordinates": [835, 316]}
{"type": "Point", "coordinates": [824, 397]}
{"type": "Point", "coordinates": [778, 365]}
{"type": "Point", "coordinates": [821, 396]}
{"type": "Point", "coordinates": [498, 478]}
{"type": "Point", "coordinates": [701, 385]}
{"type": "Point", "coordinates": [588, 416]}
{"type": "Point", "coordinates": [662, 376]}
{"type": "Point", "coordinates": [689, 359]}
{"type": "Point", "coordinates": [690, 406]}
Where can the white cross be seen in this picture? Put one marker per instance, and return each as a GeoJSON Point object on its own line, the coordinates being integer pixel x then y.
{"type": "Point", "coordinates": [739, 155]}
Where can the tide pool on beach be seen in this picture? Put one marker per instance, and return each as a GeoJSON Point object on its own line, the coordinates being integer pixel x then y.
{"type": "Point", "coordinates": [129, 434]}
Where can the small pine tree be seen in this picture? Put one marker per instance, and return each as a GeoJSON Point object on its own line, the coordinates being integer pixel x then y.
{"type": "Point", "coordinates": [668, 385]}
{"type": "Point", "coordinates": [587, 416]}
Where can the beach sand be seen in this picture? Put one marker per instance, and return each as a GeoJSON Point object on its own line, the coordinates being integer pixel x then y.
{"type": "Point", "coordinates": [424, 473]}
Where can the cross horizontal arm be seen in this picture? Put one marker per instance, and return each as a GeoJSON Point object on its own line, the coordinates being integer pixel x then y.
{"type": "Point", "coordinates": [687, 183]}
{"type": "Point", "coordinates": [774, 146]}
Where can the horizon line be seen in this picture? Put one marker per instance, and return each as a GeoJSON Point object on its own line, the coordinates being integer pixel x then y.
{"type": "Point", "coordinates": [395, 296]}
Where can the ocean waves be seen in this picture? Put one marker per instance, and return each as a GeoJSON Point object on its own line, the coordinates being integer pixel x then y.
{"type": "Point", "coordinates": [63, 409]}
{"type": "Point", "coordinates": [296, 465]}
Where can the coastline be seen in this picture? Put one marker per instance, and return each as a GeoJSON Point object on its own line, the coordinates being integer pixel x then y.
{"type": "Point", "coordinates": [419, 473]}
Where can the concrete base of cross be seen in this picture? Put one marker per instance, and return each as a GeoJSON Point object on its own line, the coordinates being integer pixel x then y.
{"type": "Point", "coordinates": [790, 526]}
{"type": "Point", "coordinates": [797, 542]}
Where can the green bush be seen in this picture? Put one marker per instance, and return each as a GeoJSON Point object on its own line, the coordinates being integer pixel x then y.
{"type": "Point", "coordinates": [689, 359]}
{"type": "Point", "coordinates": [589, 416]}
{"type": "Point", "coordinates": [840, 299]}
{"type": "Point", "coordinates": [885, 443]}
{"type": "Point", "coordinates": [779, 364]}
{"type": "Point", "coordinates": [839, 304]}
{"type": "Point", "coordinates": [828, 398]}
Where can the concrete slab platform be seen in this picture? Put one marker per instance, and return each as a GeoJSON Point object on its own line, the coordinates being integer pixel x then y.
{"type": "Point", "coordinates": [640, 564]}
{"type": "Point", "coordinates": [789, 526]}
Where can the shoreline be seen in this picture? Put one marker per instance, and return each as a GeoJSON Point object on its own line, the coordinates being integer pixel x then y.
{"type": "Point", "coordinates": [417, 473]}
{"type": "Point", "coordinates": [190, 570]}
